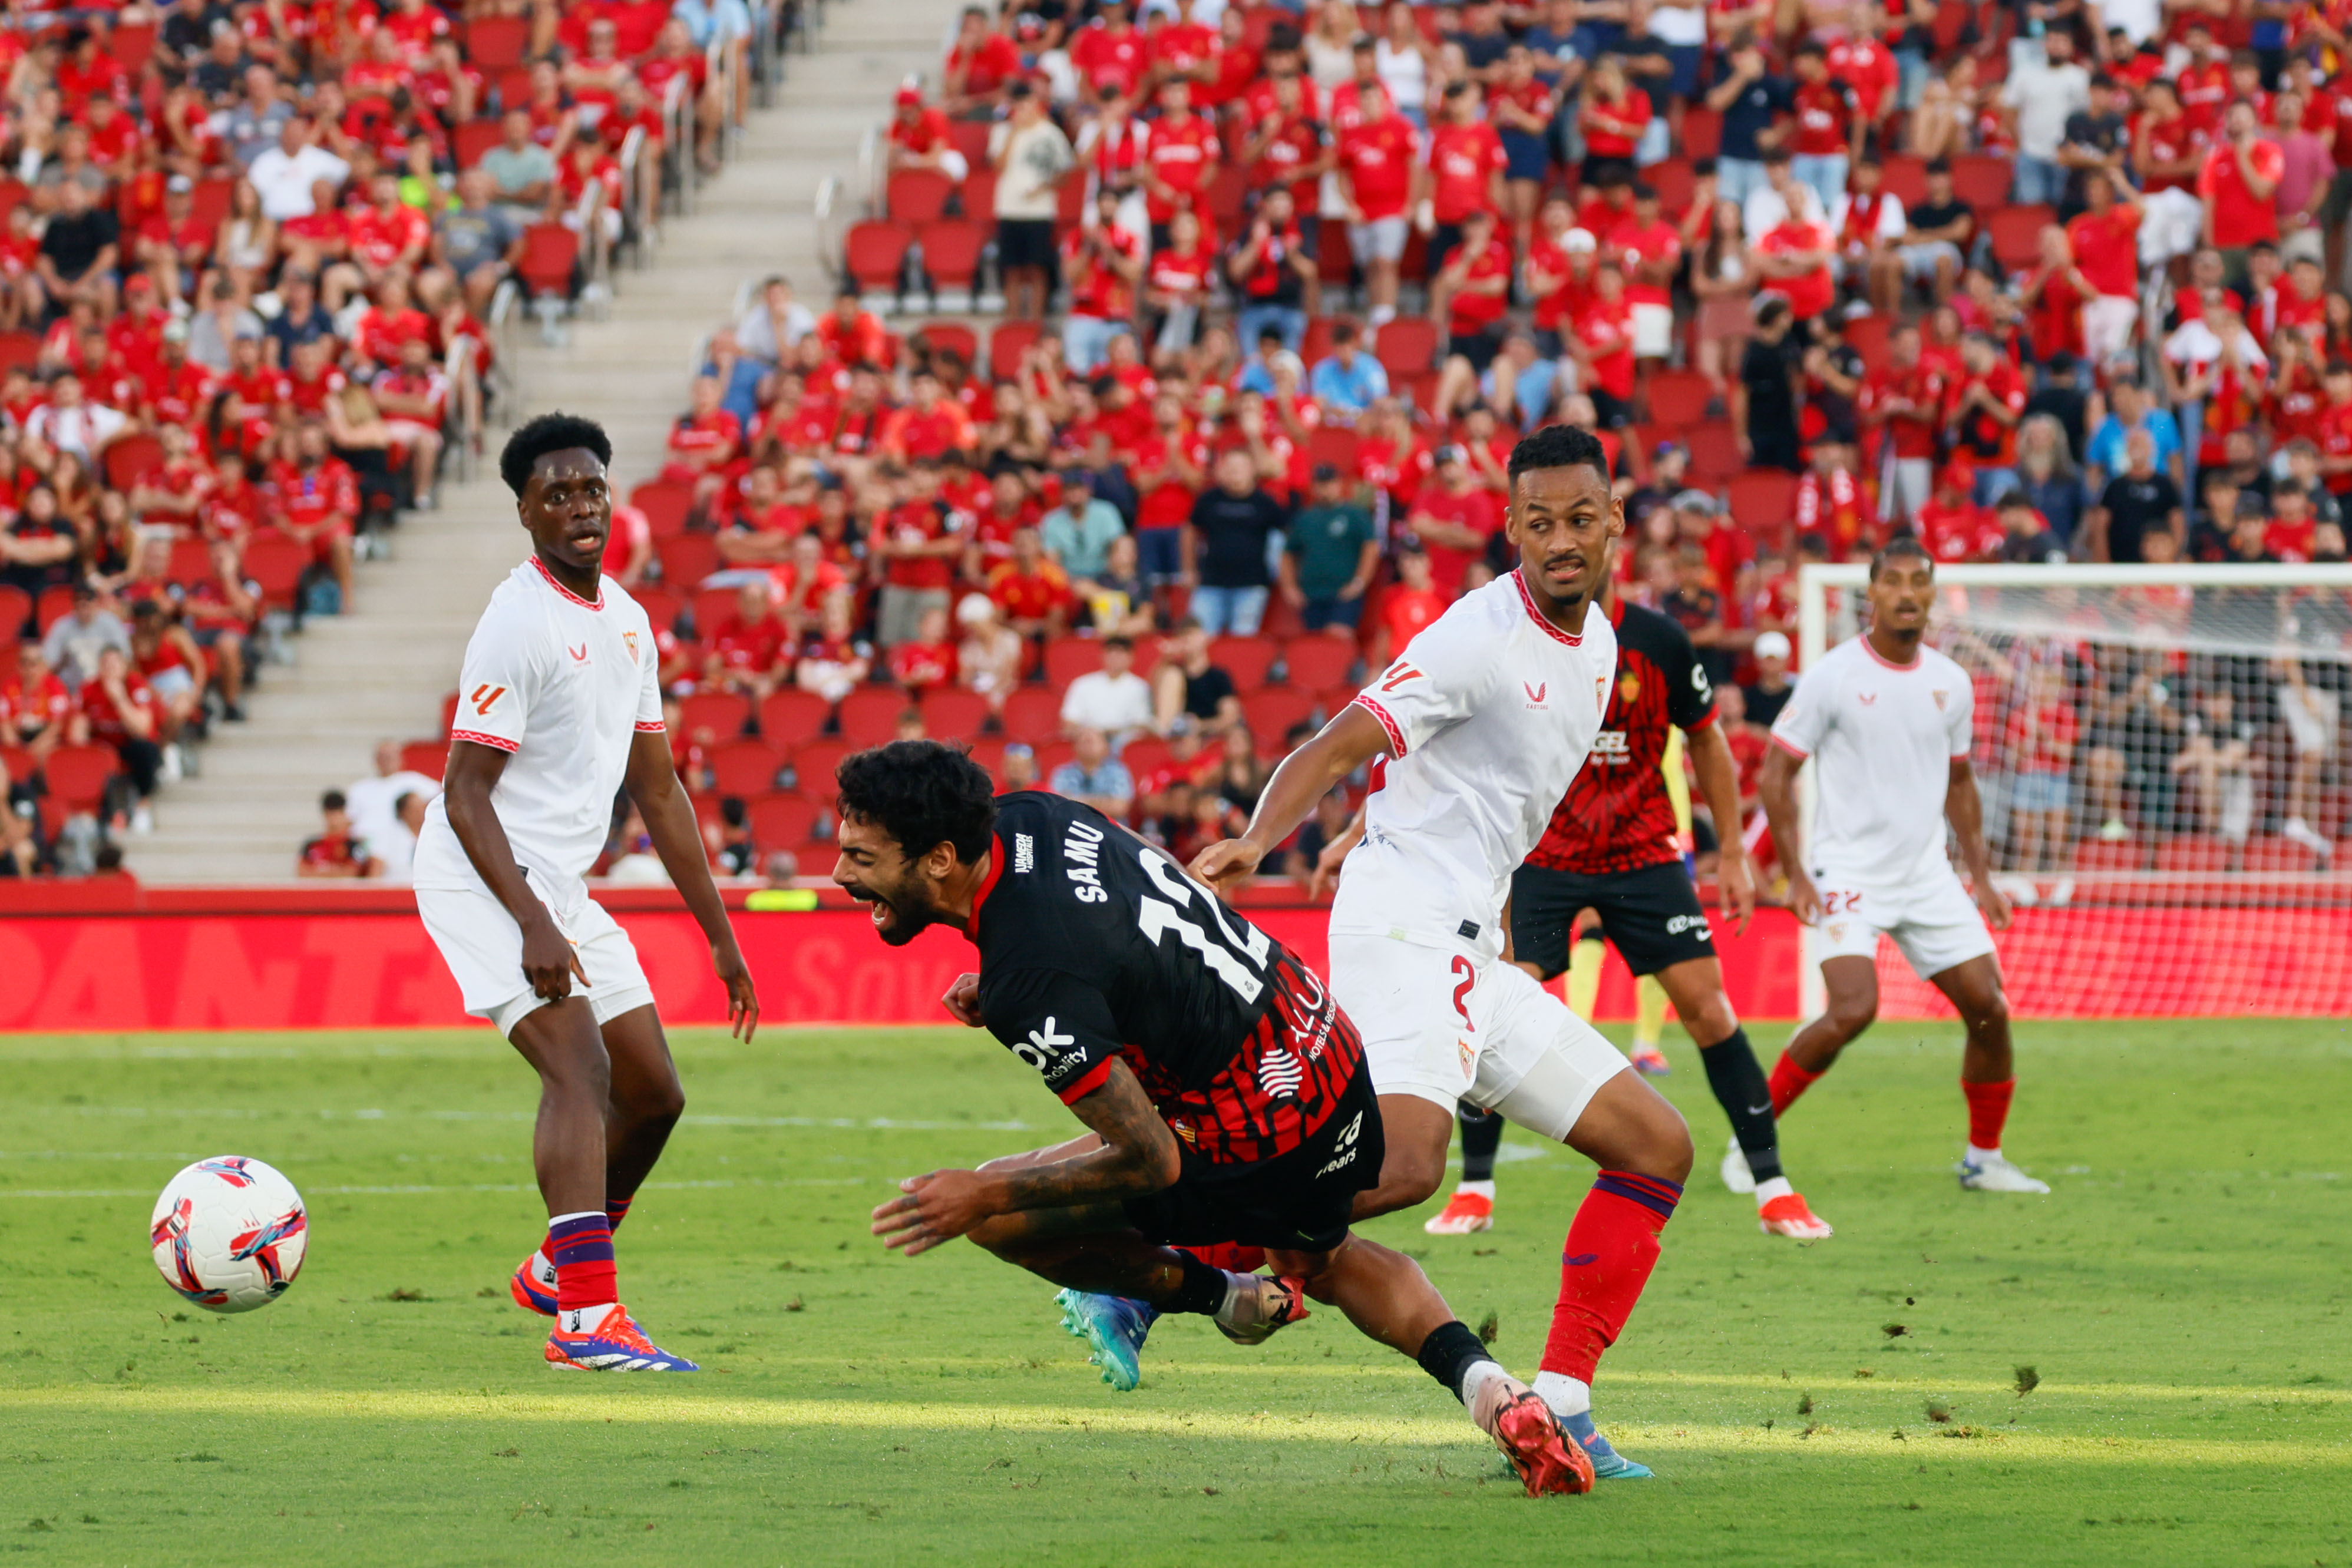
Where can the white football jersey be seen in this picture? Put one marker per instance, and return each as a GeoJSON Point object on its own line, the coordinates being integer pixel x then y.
{"type": "Point", "coordinates": [566, 685]}
{"type": "Point", "coordinates": [1882, 739]}
{"type": "Point", "coordinates": [1490, 713]}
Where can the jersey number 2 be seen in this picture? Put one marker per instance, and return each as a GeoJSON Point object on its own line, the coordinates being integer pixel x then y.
{"type": "Point", "coordinates": [1465, 981]}
{"type": "Point", "coordinates": [1237, 957]}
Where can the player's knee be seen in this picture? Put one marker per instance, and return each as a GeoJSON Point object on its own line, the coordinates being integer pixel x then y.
{"type": "Point", "coordinates": [1667, 1151]}
{"type": "Point", "coordinates": [1986, 1011]}
{"type": "Point", "coordinates": [1852, 1013]}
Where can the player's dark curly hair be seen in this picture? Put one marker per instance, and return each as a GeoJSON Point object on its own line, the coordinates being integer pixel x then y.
{"type": "Point", "coordinates": [550, 433]}
{"type": "Point", "coordinates": [1901, 547]}
{"type": "Point", "coordinates": [1559, 446]}
{"type": "Point", "coordinates": [922, 794]}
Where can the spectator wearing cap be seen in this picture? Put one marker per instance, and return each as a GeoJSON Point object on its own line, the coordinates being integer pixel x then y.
{"type": "Point", "coordinates": [1329, 553]}
{"type": "Point", "coordinates": [1079, 533]}
{"type": "Point", "coordinates": [1347, 380]}
{"type": "Point", "coordinates": [1224, 548]}
{"type": "Point", "coordinates": [919, 137]}
{"type": "Point", "coordinates": [1769, 692]}
{"type": "Point", "coordinates": [173, 245]}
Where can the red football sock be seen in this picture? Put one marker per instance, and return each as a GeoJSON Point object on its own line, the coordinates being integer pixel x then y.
{"type": "Point", "coordinates": [1611, 1247]}
{"type": "Point", "coordinates": [581, 1248]}
{"type": "Point", "coordinates": [1788, 1082]}
{"type": "Point", "coordinates": [617, 1209]}
{"type": "Point", "coordinates": [1229, 1255]}
{"type": "Point", "coordinates": [1987, 1111]}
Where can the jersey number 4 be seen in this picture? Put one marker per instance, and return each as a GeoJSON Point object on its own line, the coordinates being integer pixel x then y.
{"type": "Point", "coordinates": [1237, 957]}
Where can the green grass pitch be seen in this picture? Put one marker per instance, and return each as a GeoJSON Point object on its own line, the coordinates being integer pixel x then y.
{"type": "Point", "coordinates": [2180, 1298]}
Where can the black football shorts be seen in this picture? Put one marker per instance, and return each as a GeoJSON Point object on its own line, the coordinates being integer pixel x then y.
{"type": "Point", "coordinates": [1298, 1201]}
{"type": "Point", "coordinates": [1652, 915]}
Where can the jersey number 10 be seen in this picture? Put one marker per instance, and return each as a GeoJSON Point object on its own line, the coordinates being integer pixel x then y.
{"type": "Point", "coordinates": [1237, 957]}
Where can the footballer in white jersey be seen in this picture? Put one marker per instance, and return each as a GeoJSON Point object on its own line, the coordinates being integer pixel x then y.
{"type": "Point", "coordinates": [1472, 735]}
{"type": "Point", "coordinates": [559, 708]}
{"type": "Point", "coordinates": [1887, 723]}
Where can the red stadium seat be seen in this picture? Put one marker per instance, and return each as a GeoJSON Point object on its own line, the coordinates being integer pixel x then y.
{"type": "Point", "coordinates": [76, 777]}
{"type": "Point", "coordinates": [1713, 451]}
{"type": "Point", "coordinates": [17, 765]}
{"type": "Point", "coordinates": [664, 505]}
{"type": "Point", "coordinates": [1067, 658]}
{"type": "Point", "coordinates": [989, 752]}
{"type": "Point", "coordinates": [1335, 445]}
{"type": "Point", "coordinates": [1034, 713]}
{"type": "Point", "coordinates": [1271, 711]}
{"type": "Point", "coordinates": [877, 254]}
{"type": "Point", "coordinates": [943, 337]}
{"type": "Point", "coordinates": [970, 137]}
{"type": "Point", "coordinates": [813, 769]}
{"type": "Point", "coordinates": [2016, 235]}
{"type": "Point", "coordinates": [745, 767]}
{"type": "Point", "coordinates": [1335, 261]}
{"type": "Point", "coordinates": [274, 562]}
{"type": "Point", "coordinates": [209, 203]}
{"type": "Point", "coordinates": [790, 716]}
{"type": "Point", "coordinates": [1674, 180]}
{"type": "Point", "coordinates": [449, 712]}
{"type": "Point", "coordinates": [723, 713]}
{"type": "Point", "coordinates": [976, 197]}
{"type": "Point", "coordinates": [191, 563]}
{"type": "Point", "coordinates": [1316, 341]}
{"type": "Point", "coordinates": [2101, 854]}
{"type": "Point", "coordinates": [427, 757]}
{"type": "Point", "coordinates": [869, 716]}
{"type": "Point", "coordinates": [1702, 132]}
{"type": "Point", "coordinates": [514, 87]}
{"type": "Point", "coordinates": [1905, 178]}
{"type": "Point", "coordinates": [951, 249]}
{"type": "Point", "coordinates": [1144, 755]}
{"type": "Point", "coordinates": [130, 457]}
{"type": "Point", "coordinates": [1246, 659]}
{"type": "Point", "coordinates": [1763, 499]}
{"type": "Point", "coordinates": [1406, 345]}
{"type": "Point", "coordinates": [1678, 399]}
{"type": "Point", "coordinates": [496, 43]}
{"type": "Point", "coordinates": [472, 141]}
{"type": "Point", "coordinates": [550, 252]}
{"type": "Point", "coordinates": [952, 713]}
{"type": "Point", "coordinates": [686, 560]}
{"type": "Point", "coordinates": [713, 607]}
{"type": "Point", "coordinates": [53, 606]}
{"type": "Point", "coordinates": [1070, 209]}
{"type": "Point", "coordinates": [19, 351]}
{"type": "Point", "coordinates": [1983, 180]}
{"type": "Point", "coordinates": [1315, 660]}
{"type": "Point", "coordinates": [917, 196]}
{"type": "Point", "coordinates": [1867, 336]}
{"type": "Point", "coordinates": [1051, 754]}
{"type": "Point", "coordinates": [16, 608]}
{"type": "Point", "coordinates": [2275, 856]}
{"type": "Point", "coordinates": [132, 44]}
{"type": "Point", "coordinates": [782, 820]}
{"type": "Point", "coordinates": [661, 606]}
{"type": "Point", "coordinates": [1227, 192]}
{"type": "Point", "coordinates": [1006, 344]}
{"type": "Point", "coordinates": [2193, 853]}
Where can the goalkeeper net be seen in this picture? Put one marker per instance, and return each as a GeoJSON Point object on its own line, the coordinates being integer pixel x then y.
{"type": "Point", "coordinates": [2162, 755]}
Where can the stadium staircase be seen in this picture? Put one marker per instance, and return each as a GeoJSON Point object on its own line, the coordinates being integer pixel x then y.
{"type": "Point", "coordinates": [382, 672]}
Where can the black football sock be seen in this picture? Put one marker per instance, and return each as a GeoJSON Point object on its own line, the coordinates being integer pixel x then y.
{"type": "Point", "coordinates": [1482, 1134]}
{"type": "Point", "coordinates": [1202, 1291]}
{"type": "Point", "coordinates": [1450, 1351]}
{"type": "Point", "coordinates": [1740, 1088]}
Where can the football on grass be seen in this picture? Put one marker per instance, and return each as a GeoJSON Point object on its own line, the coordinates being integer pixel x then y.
{"type": "Point", "coordinates": [229, 1233]}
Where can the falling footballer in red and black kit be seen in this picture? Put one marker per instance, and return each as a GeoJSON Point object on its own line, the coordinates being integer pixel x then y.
{"type": "Point", "coordinates": [1226, 1095]}
{"type": "Point", "coordinates": [1096, 947]}
{"type": "Point", "coordinates": [1614, 847]}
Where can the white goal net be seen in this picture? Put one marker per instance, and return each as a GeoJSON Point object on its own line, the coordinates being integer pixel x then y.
{"type": "Point", "coordinates": [2162, 753]}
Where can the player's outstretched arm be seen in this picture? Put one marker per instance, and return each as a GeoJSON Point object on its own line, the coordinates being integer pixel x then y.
{"type": "Point", "coordinates": [1138, 1156]}
{"type": "Point", "coordinates": [1352, 738]}
{"type": "Point", "coordinates": [1965, 809]}
{"type": "Point", "coordinates": [652, 783]}
{"type": "Point", "coordinates": [1718, 780]}
{"type": "Point", "coordinates": [549, 961]}
{"type": "Point", "coordinates": [1778, 787]}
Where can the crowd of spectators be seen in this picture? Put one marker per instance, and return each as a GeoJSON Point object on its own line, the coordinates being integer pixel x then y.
{"type": "Point", "coordinates": [247, 256]}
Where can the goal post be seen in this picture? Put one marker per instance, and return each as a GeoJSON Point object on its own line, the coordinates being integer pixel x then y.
{"type": "Point", "coordinates": [2162, 752]}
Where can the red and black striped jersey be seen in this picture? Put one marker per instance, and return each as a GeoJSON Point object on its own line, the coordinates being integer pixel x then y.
{"type": "Point", "coordinates": [1095, 945]}
{"type": "Point", "coordinates": [1617, 815]}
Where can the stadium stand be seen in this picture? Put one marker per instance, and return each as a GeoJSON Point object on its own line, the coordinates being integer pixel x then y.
{"type": "Point", "coordinates": [264, 281]}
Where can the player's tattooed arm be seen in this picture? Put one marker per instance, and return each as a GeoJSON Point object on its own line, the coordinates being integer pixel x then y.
{"type": "Point", "coordinates": [1138, 1154]}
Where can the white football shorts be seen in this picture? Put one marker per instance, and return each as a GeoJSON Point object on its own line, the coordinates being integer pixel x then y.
{"type": "Point", "coordinates": [483, 948]}
{"type": "Point", "coordinates": [1932, 919]}
{"type": "Point", "coordinates": [1442, 1023]}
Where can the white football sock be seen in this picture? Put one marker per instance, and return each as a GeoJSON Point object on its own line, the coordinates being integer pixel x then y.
{"type": "Point", "coordinates": [1976, 1156]}
{"type": "Point", "coordinates": [585, 1320]}
{"type": "Point", "coordinates": [1484, 1189]}
{"type": "Point", "coordinates": [1475, 1377]}
{"type": "Point", "coordinates": [1566, 1396]}
{"type": "Point", "coordinates": [1766, 1191]}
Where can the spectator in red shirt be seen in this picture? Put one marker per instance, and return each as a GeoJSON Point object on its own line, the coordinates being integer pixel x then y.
{"type": "Point", "coordinates": [2055, 295]}
{"type": "Point", "coordinates": [1101, 263]}
{"type": "Point", "coordinates": [746, 651]}
{"type": "Point", "coordinates": [119, 709]}
{"type": "Point", "coordinates": [919, 139]}
{"type": "Point", "coordinates": [1452, 520]}
{"type": "Point", "coordinates": [1408, 606]}
{"type": "Point", "coordinates": [981, 64]}
{"type": "Point", "coordinates": [1462, 173]}
{"type": "Point", "coordinates": [1032, 590]}
{"type": "Point", "coordinates": [704, 443]}
{"type": "Point", "coordinates": [35, 705]}
{"type": "Point", "coordinates": [2040, 739]}
{"type": "Point", "coordinates": [335, 853]}
{"type": "Point", "coordinates": [1471, 295]}
{"type": "Point", "coordinates": [2239, 184]}
{"type": "Point", "coordinates": [1614, 116]}
{"type": "Point", "coordinates": [1829, 129]}
{"type": "Point", "coordinates": [2105, 240]}
{"type": "Point", "coordinates": [1375, 170]}
{"type": "Point", "coordinates": [918, 541]}
{"type": "Point", "coordinates": [926, 660]}
{"type": "Point", "coordinates": [1952, 525]}
{"type": "Point", "coordinates": [319, 502]}
{"type": "Point", "coordinates": [1988, 401]}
